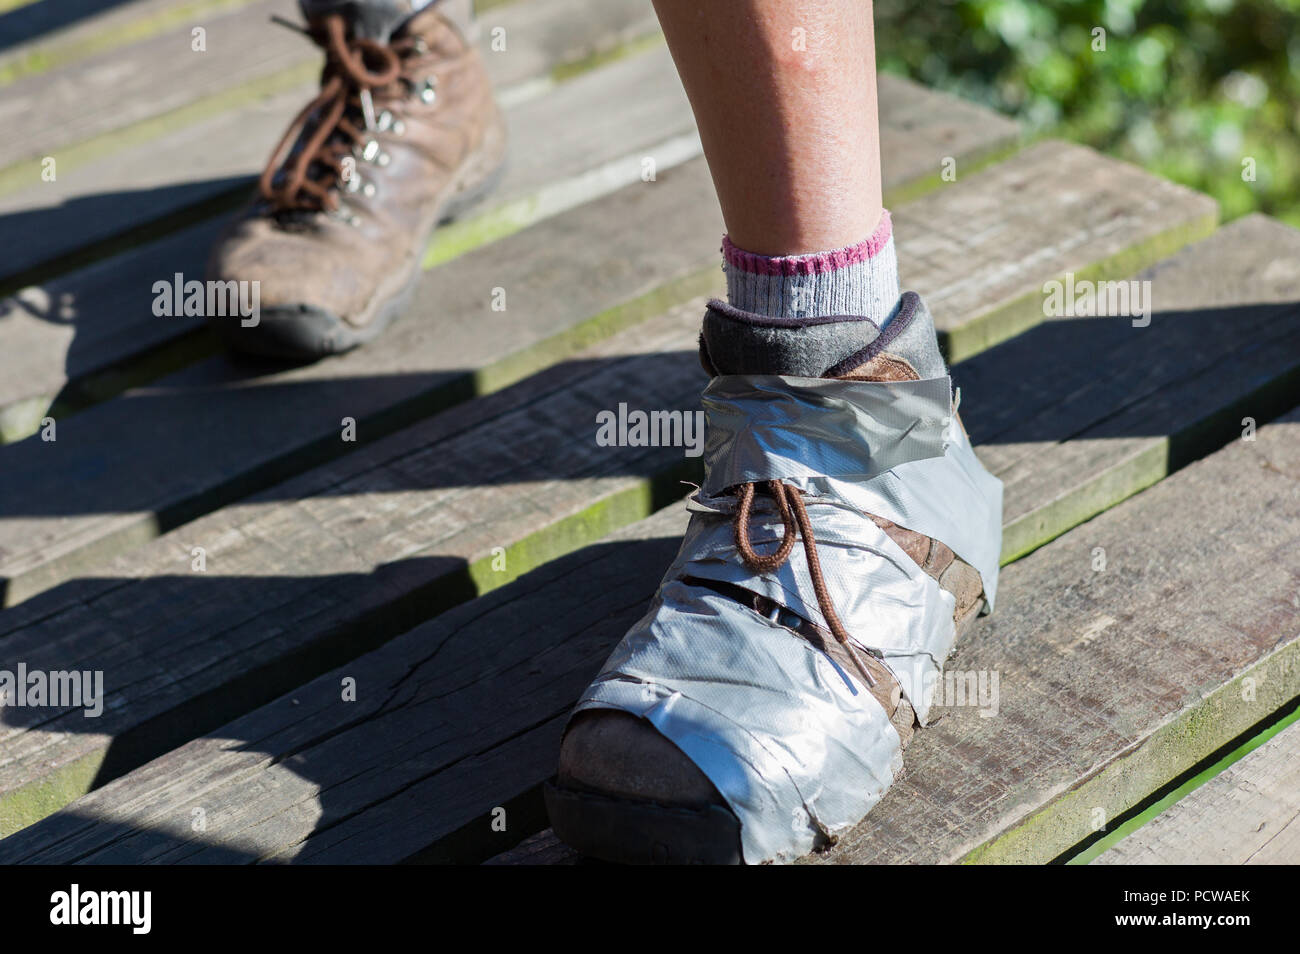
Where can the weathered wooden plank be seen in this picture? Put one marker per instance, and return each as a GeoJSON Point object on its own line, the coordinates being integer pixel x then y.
{"type": "Point", "coordinates": [78, 355]}
{"type": "Point", "coordinates": [24, 24]}
{"type": "Point", "coordinates": [218, 430]}
{"type": "Point", "coordinates": [340, 559]}
{"type": "Point", "coordinates": [77, 326]}
{"type": "Point", "coordinates": [286, 420]}
{"type": "Point", "coordinates": [491, 692]}
{"type": "Point", "coordinates": [542, 848]}
{"type": "Point", "coordinates": [113, 88]}
{"type": "Point", "coordinates": [162, 73]}
{"type": "Point", "coordinates": [684, 241]}
{"type": "Point", "coordinates": [1108, 205]}
{"type": "Point", "coordinates": [548, 685]}
{"type": "Point", "coordinates": [1122, 396]}
{"type": "Point", "coordinates": [62, 338]}
{"type": "Point", "coordinates": [1249, 814]}
{"type": "Point", "coordinates": [38, 41]}
{"type": "Point", "coordinates": [205, 151]}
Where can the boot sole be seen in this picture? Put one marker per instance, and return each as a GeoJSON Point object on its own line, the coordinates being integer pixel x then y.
{"type": "Point", "coordinates": [628, 832]}
{"type": "Point", "coordinates": [642, 833]}
{"type": "Point", "coordinates": [308, 333]}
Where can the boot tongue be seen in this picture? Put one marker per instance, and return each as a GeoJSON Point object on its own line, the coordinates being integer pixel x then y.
{"type": "Point", "coordinates": [372, 19]}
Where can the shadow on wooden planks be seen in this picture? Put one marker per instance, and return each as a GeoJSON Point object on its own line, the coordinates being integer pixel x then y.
{"type": "Point", "coordinates": [1049, 384]}
{"type": "Point", "coordinates": [400, 697]}
{"type": "Point", "coordinates": [1046, 368]}
{"type": "Point", "coordinates": [45, 16]}
{"type": "Point", "coordinates": [190, 203]}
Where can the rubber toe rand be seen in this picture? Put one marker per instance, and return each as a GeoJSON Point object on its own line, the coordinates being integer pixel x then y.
{"type": "Point", "coordinates": [626, 794]}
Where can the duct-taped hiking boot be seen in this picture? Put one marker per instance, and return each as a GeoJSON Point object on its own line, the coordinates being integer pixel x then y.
{"type": "Point", "coordinates": [844, 535]}
{"type": "Point", "coordinates": [403, 135]}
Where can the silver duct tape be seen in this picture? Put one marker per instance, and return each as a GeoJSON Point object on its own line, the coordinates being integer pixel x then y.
{"type": "Point", "coordinates": [894, 449]}
{"type": "Point", "coordinates": [764, 427]}
{"type": "Point", "coordinates": [793, 743]}
{"type": "Point", "coordinates": [795, 746]}
{"type": "Point", "coordinates": [887, 603]}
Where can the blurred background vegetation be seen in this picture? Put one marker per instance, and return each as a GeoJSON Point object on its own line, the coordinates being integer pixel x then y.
{"type": "Point", "coordinates": [1190, 90]}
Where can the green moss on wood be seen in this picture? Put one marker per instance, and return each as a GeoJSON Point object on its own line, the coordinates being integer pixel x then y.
{"type": "Point", "coordinates": [1010, 319]}
{"type": "Point", "coordinates": [32, 802]}
{"type": "Point", "coordinates": [1216, 718]}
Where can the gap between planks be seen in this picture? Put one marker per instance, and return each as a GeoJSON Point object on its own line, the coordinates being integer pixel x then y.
{"type": "Point", "coordinates": [1245, 813]}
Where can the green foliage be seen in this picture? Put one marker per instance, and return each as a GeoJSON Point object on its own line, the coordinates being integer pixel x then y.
{"type": "Point", "coordinates": [1192, 90]}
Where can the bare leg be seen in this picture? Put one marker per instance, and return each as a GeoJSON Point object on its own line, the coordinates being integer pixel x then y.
{"type": "Point", "coordinates": [784, 93]}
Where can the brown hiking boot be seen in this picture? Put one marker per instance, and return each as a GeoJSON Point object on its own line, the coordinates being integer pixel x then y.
{"type": "Point", "coordinates": [403, 134]}
{"type": "Point", "coordinates": [843, 538]}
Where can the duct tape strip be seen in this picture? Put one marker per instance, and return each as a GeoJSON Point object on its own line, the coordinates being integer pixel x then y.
{"type": "Point", "coordinates": [798, 749]}
{"type": "Point", "coordinates": [893, 449]}
{"type": "Point", "coordinates": [888, 604]}
{"type": "Point", "coordinates": [762, 427]}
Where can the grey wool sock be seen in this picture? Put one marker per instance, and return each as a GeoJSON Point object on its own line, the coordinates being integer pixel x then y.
{"type": "Point", "coordinates": [859, 280]}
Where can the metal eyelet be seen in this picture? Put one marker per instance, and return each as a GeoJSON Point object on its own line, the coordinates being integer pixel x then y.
{"type": "Point", "coordinates": [369, 190]}
{"type": "Point", "coordinates": [370, 150]}
{"type": "Point", "coordinates": [384, 121]}
{"type": "Point", "coordinates": [429, 92]}
{"type": "Point", "coordinates": [383, 159]}
{"type": "Point", "coordinates": [353, 183]}
{"type": "Point", "coordinates": [399, 128]}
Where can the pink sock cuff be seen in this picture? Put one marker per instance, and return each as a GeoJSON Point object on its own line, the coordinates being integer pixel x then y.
{"type": "Point", "coordinates": [815, 263]}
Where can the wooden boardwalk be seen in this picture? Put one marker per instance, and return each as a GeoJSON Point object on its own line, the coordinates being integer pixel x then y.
{"type": "Point", "coordinates": [469, 560]}
{"type": "Point", "coordinates": [1247, 815]}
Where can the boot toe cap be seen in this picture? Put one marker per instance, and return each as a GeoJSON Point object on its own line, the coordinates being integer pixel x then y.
{"type": "Point", "coordinates": [619, 755]}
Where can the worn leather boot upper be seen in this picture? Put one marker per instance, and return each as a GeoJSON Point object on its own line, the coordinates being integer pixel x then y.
{"type": "Point", "coordinates": [401, 131]}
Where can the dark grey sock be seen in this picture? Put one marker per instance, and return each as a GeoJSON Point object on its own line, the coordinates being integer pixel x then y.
{"type": "Point", "coordinates": [738, 342]}
{"type": "Point", "coordinates": [377, 19]}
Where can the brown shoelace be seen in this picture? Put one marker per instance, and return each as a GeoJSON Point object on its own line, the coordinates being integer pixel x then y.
{"type": "Point", "coordinates": [346, 77]}
{"type": "Point", "coordinates": [794, 519]}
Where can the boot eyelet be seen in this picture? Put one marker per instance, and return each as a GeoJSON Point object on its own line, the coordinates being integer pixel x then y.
{"type": "Point", "coordinates": [368, 190]}
{"type": "Point", "coordinates": [370, 150]}
{"type": "Point", "coordinates": [384, 121]}
{"type": "Point", "coordinates": [383, 159]}
{"type": "Point", "coordinates": [399, 128]}
{"type": "Point", "coordinates": [353, 183]}
{"type": "Point", "coordinates": [429, 92]}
